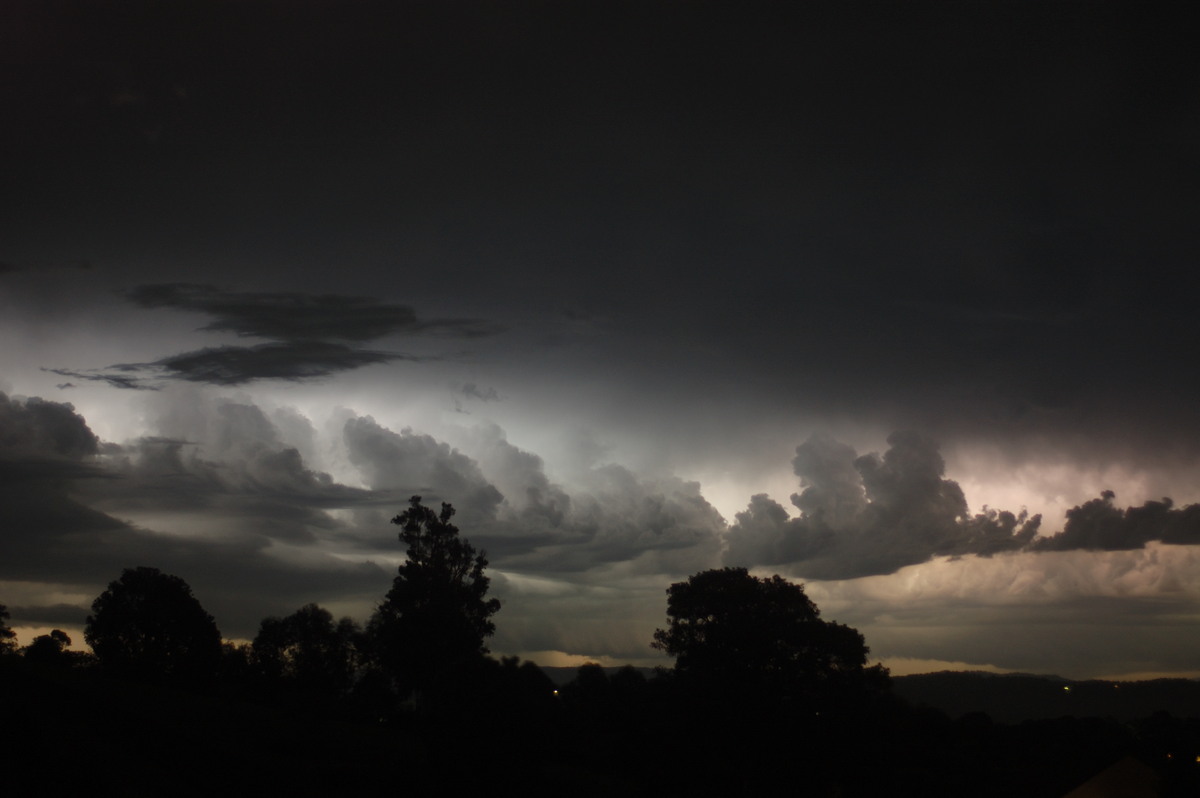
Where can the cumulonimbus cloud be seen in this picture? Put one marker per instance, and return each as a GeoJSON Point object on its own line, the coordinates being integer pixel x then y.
{"type": "Point", "coordinates": [236, 501]}
{"type": "Point", "coordinates": [870, 515]}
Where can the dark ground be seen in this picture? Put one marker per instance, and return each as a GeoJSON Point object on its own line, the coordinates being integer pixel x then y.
{"type": "Point", "coordinates": [76, 731]}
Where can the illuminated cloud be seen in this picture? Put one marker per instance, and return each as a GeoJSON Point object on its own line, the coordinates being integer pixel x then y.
{"type": "Point", "coordinates": [225, 495]}
{"type": "Point", "coordinates": [415, 464]}
{"type": "Point", "coordinates": [870, 515]}
{"type": "Point", "coordinates": [61, 526]}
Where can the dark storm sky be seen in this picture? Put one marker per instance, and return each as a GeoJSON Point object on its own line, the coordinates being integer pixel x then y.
{"type": "Point", "coordinates": [593, 272]}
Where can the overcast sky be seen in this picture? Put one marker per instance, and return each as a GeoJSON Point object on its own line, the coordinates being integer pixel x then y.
{"type": "Point", "coordinates": [893, 299]}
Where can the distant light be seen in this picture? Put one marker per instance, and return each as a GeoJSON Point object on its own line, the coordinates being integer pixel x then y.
{"type": "Point", "coordinates": [1067, 689]}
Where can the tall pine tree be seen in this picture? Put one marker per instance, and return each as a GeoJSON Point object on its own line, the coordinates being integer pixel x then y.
{"type": "Point", "coordinates": [430, 629]}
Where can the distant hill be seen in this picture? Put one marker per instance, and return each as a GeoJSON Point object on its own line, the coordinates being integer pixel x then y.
{"type": "Point", "coordinates": [1014, 697]}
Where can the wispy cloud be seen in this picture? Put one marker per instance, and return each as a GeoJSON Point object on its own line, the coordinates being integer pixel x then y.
{"type": "Point", "coordinates": [300, 317]}
{"type": "Point", "coordinates": [115, 379]}
{"type": "Point", "coordinates": [291, 360]}
{"type": "Point", "coordinates": [307, 335]}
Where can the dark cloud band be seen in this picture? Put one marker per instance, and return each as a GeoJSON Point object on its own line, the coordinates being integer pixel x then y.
{"type": "Point", "coordinates": [300, 317]}
{"type": "Point", "coordinates": [293, 360]}
{"type": "Point", "coordinates": [306, 335]}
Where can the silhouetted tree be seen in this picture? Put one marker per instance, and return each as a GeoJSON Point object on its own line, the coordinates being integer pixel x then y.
{"type": "Point", "coordinates": [628, 683]}
{"type": "Point", "coordinates": [149, 624]}
{"type": "Point", "coordinates": [519, 692]}
{"type": "Point", "coordinates": [49, 650]}
{"type": "Point", "coordinates": [238, 670]}
{"type": "Point", "coordinates": [432, 624]}
{"type": "Point", "coordinates": [783, 691]}
{"type": "Point", "coordinates": [590, 685]}
{"type": "Point", "coordinates": [730, 627]}
{"type": "Point", "coordinates": [308, 650]}
{"type": "Point", "coordinates": [8, 638]}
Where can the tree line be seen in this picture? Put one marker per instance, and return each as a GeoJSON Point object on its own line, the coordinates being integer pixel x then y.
{"type": "Point", "coordinates": [764, 694]}
{"type": "Point", "coordinates": [426, 640]}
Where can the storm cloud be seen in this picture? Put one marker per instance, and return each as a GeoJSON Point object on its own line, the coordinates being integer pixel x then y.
{"type": "Point", "coordinates": [871, 514]}
{"type": "Point", "coordinates": [591, 275]}
{"type": "Point", "coordinates": [1099, 525]}
{"type": "Point", "coordinates": [226, 496]}
{"type": "Point", "coordinates": [536, 525]}
{"type": "Point", "coordinates": [66, 498]}
{"type": "Point", "coordinates": [37, 427]}
{"type": "Point", "coordinates": [415, 464]}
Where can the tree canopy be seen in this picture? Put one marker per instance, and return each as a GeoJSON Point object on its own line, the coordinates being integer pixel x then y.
{"type": "Point", "coordinates": [149, 624]}
{"type": "Point", "coordinates": [308, 650]}
{"type": "Point", "coordinates": [437, 615]}
{"type": "Point", "coordinates": [49, 650]}
{"type": "Point", "coordinates": [728, 626]}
